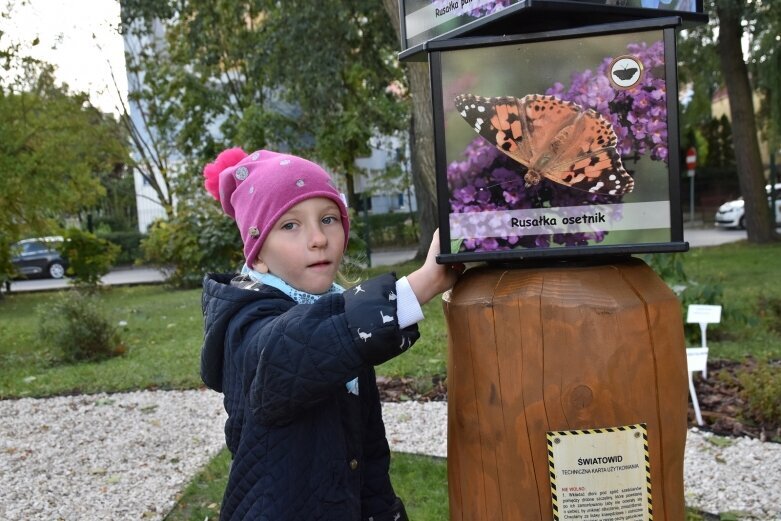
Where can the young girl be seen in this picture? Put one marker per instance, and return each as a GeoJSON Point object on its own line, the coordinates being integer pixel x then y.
{"type": "Point", "coordinates": [293, 352]}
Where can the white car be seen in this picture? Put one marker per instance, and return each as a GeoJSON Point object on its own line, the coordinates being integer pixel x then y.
{"type": "Point", "coordinates": [730, 214]}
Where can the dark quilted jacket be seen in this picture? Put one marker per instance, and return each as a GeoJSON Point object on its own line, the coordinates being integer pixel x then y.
{"type": "Point", "coordinates": [303, 447]}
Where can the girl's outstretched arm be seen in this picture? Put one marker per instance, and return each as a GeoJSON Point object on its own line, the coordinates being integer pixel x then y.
{"type": "Point", "coordinates": [431, 279]}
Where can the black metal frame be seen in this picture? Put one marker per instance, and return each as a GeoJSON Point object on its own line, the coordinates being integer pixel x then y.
{"type": "Point", "coordinates": [533, 16]}
{"type": "Point", "coordinates": [676, 244]}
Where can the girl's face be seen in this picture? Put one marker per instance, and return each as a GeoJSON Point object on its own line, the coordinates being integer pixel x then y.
{"type": "Point", "coordinates": [305, 246]}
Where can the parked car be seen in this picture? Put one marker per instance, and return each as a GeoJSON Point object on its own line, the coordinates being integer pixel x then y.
{"type": "Point", "coordinates": [730, 214]}
{"type": "Point", "coordinates": [38, 257]}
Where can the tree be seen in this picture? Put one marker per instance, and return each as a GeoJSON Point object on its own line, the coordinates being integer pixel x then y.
{"type": "Point", "coordinates": [53, 145]}
{"type": "Point", "coordinates": [341, 88]}
{"type": "Point", "coordinates": [718, 47]}
{"type": "Point", "coordinates": [256, 68]}
{"type": "Point", "coordinates": [747, 157]}
{"type": "Point", "coordinates": [307, 77]}
{"type": "Point", "coordinates": [117, 211]}
{"type": "Point", "coordinates": [765, 67]}
{"type": "Point", "coordinates": [310, 77]}
{"type": "Point", "coordinates": [218, 58]}
{"type": "Point", "coordinates": [151, 117]}
{"type": "Point", "coordinates": [421, 129]}
{"type": "Point", "coordinates": [721, 153]}
{"type": "Point", "coordinates": [698, 69]}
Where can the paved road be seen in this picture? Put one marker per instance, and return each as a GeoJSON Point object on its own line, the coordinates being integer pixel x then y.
{"type": "Point", "coordinates": [133, 276]}
{"type": "Point", "coordinates": [698, 237]}
{"type": "Point", "coordinates": [129, 276]}
{"type": "Point", "coordinates": [124, 276]}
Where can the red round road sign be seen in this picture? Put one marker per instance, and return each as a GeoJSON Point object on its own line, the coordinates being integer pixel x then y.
{"type": "Point", "coordinates": [691, 158]}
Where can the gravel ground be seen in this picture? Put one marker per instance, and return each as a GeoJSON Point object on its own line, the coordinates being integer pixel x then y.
{"type": "Point", "coordinates": [126, 456]}
{"type": "Point", "coordinates": [740, 475]}
{"type": "Point", "coordinates": [99, 457]}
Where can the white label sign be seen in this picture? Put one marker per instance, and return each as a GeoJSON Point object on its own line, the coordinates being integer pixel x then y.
{"type": "Point", "coordinates": [703, 314]}
{"type": "Point", "coordinates": [600, 474]}
{"type": "Point", "coordinates": [563, 219]}
{"type": "Point", "coordinates": [441, 11]}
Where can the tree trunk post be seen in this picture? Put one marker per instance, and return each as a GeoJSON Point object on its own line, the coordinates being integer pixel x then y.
{"type": "Point", "coordinates": [577, 348]}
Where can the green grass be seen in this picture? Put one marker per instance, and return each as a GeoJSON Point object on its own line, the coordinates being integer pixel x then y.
{"type": "Point", "coordinates": [750, 278]}
{"type": "Point", "coordinates": [421, 482]}
{"type": "Point", "coordinates": [163, 338]}
{"type": "Point", "coordinates": [201, 499]}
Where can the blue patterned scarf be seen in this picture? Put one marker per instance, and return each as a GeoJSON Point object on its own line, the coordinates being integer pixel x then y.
{"type": "Point", "coordinates": [302, 297]}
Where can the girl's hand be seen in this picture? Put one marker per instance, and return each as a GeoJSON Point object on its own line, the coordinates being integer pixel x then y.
{"type": "Point", "coordinates": [431, 279]}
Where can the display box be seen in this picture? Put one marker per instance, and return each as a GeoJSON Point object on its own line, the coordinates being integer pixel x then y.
{"type": "Point", "coordinates": [558, 144]}
{"type": "Point", "coordinates": [426, 20]}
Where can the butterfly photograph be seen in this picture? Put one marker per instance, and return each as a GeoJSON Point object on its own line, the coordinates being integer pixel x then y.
{"type": "Point", "coordinates": [545, 146]}
{"type": "Point", "coordinates": [554, 139]}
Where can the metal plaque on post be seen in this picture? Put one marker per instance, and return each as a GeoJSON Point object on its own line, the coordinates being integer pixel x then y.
{"type": "Point", "coordinates": [600, 474]}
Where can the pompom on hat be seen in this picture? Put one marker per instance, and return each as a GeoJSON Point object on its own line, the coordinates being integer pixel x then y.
{"type": "Point", "coordinates": [256, 189]}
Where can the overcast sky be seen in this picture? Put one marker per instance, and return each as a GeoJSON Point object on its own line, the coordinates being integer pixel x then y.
{"type": "Point", "coordinates": [79, 37]}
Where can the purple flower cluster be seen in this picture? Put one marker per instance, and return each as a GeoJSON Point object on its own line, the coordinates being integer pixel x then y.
{"type": "Point", "coordinates": [489, 8]}
{"type": "Point", "coordinates": [483, 10]}
{"type": "Point", "coordinates": [488, 180]}
{"type": "Point", "coordinates": [639, 114]}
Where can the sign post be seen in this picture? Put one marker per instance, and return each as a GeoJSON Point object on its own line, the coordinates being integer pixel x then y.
{"type": "Point", "coordinates": [567, 394]}
{"type": "Point", "coordinates": [567, 380]}
{"type": "Point", "coordinates": [691, 164]}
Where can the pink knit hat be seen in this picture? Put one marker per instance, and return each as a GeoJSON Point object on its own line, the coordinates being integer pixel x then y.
{"type": "Point", "coordinates": [256, 189]}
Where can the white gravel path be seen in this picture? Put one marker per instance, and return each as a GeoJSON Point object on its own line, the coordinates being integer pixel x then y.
{"type": "Point", "coordinates": [127, 456]}
{"type": "Point", "coordinates": [100, 457]}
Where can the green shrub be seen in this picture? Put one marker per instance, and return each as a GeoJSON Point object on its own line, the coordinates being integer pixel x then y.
{"type": "Point", "coordinates": [387, 230]}
{"type": "Point", "coordinates": [770, 312]}
{"type": "Point", "coordinates": [761, 389]}
{"type": "Point", "coordinates": [199, 239]}
{"type": "Point", "coordinates": [669, 267]}
{"type": "Point", "coordinates": [89, 258]}
{"type": "Point", "coordinates": [129, 245]}
{"type": "Point", "coordinates": [7, 269]}
{"type": "Point", "coordinates": [75, 325]}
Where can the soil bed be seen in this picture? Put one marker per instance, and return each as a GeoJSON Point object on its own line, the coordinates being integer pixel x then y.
{"type": "Point", "coordinates": [722, 406]}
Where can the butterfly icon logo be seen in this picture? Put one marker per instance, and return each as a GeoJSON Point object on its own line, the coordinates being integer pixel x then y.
{"type": "Point", "coordinates": [625, 72]}
{"type": "Point", "coordinates": [554, 139]}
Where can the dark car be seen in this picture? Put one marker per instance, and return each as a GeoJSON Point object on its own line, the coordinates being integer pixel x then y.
{"type": "Point", "coordinates": [39, 257]}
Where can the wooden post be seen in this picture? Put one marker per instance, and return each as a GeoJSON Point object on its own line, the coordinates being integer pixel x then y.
{"type": "Point", "coordinates": [560, 348]}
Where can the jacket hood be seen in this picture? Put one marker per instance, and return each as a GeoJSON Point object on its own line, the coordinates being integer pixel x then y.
{"type": "Point", "coordinates": [221, 304]}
